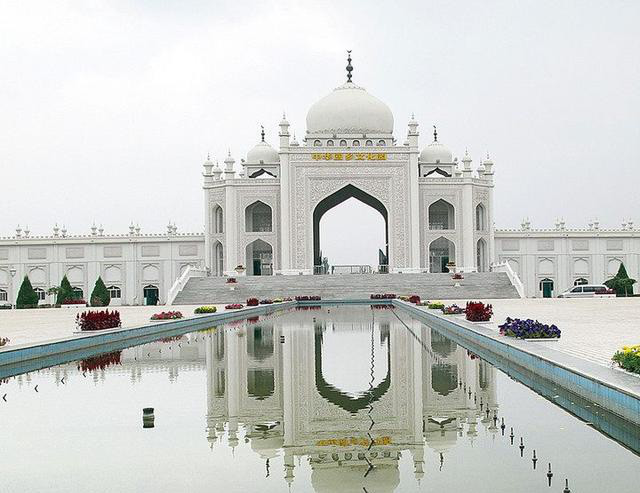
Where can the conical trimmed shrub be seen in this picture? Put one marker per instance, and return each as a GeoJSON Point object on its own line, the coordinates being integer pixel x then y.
{"type": "Point", "coordinates": [65, 292]}
{"type": "Point", "coordinates": [27, 297]}
{"type": "Point", "coordinates": [100, 295]}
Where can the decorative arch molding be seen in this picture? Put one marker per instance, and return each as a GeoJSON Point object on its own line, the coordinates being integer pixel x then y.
{"type": "Point", "coordinates": [150, 273]}
{"type": "Point", "coordinates": [37, 275]}
{"type": "Point", "coordinates": [546, 266]}
{"type": "Point", "coordinates": [612, 265]}
{"type": "Point", "coordinates": [580, 266]}
{"type": "Point", "coordinates": [268, 195]}
{"type": "Point", "coordinates": [75, 274]}
{"type": "Point", "coordinates": [311, 184]}
{"type": "Point", "coordinates": [112, 273]}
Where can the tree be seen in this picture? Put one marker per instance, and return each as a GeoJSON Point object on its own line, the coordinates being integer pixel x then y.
{"type": "Point", "coordinates": [65, 292]}
{"type": "Point", "coordinates": [622, 284]}
{"type": "Point", "coordinates": [100, 295]}
{"type": "Point", "coordinates": [27, 297]}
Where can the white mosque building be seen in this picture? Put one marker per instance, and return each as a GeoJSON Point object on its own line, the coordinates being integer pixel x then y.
{"type": "Point", "coordinates": [262, 217]}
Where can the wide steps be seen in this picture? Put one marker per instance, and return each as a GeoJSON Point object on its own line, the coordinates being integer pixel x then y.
{"type": "Point", "coordinates": [486, 285]}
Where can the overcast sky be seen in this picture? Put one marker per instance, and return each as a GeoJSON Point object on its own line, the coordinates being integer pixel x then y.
{"type": "Point", "coordinates": [108, 108]}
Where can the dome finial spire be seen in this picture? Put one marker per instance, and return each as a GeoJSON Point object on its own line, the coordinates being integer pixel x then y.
{"type": "Point", "coordinates": [262, 132]}
{"type": "Point", "coordinates": [349, 66]}
{"type": "Point", "coordinates": [435, 134]}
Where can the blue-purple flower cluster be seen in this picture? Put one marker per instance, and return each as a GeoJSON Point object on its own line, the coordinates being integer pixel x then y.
{"type": "Point", "coordinates": [528, 329]}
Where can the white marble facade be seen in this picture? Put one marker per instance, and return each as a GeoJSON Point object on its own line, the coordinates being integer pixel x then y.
{"type": "Point", "coordinates": [263, 216]}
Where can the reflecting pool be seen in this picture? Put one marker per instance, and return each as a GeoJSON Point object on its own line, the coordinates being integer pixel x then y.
{"type": "Point", "coordinates": [335, 398]}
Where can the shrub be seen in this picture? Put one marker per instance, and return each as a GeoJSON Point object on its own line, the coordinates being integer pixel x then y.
{"type": "Point", "coordinates": [385, 296]}
{"type": "Point", "coordinates": [4, 341]}
{"type": "Point", "coordinates": [252, 302]}
{"type": "Point", "coordinates": [622, 284]}
{"type": "Point", "coordinates": [99, 362]}
{"type": "Point", "coordinates": [266, 302]}
{"type": "Point", "coordinates": [403, 297]}
{"type": "Point", "coordinates": [452, 310]}
{"type": "Point", "coordinates": [98, 320]}
{"type": "Point", "coordinates": [415, 299]}
{"type": "Point", "coordinates": [435, 305]}
{"type": "Point", "coordinates": [166, 315]}
{"type": "Point", "coordinates": [308, 298]}
{"type": "Point", "coordinates": [287, 298]}
{"type": "Point", "coordinates": [457, 276]}
{"type": "Point", "coordinates": [628, 358]}
{"type": "Point", "coordinates": [233, 306]}
{"type": "Point", "coordinates": [528, 329]}
{"type": "Point", "coordinates": [27, 297]}
{"type": "Point", "coordinates": [278, 300]}
{"type": "Point", "coordinates": [477, 311]}
{"type": "Point", "coordinates": [74, 301]}
{"type": "Point", "coordinates": [100, 295]}
{"type": "Point", "coordinates": [65, 291]}
{"type": "Point", "coordinates": [205, 309]}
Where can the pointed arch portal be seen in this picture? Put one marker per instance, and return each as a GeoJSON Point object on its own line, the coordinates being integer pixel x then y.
{"type": "Point", "coordinates": [336, 198]}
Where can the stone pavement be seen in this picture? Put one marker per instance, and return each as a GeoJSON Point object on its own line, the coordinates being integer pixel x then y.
{"type": "Point", "coordinates": [33, 326]}
{"type": "Point", "coordinates": [592, 329]}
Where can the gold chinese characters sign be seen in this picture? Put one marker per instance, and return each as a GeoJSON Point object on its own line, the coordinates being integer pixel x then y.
{"type": "Point", "coordinates": [349, 156]}
{"type": "Point", "coordinates": [349, 442]}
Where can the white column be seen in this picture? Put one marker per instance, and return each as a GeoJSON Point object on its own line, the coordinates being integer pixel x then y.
{"type": "Point", "coordinates": [414, 207]}
{"type": "Point", "coordinates": [231, 232]}
{"type": "Point", "coordinates": [285, 215]}
{"type": "Point", "coordinates": [468, 247]}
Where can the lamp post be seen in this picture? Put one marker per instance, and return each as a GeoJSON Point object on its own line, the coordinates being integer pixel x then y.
{"type": "Point", "coordinates": [12, 271]}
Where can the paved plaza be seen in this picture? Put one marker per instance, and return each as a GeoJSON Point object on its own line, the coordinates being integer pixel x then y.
{"type": "Point", "coordinates": [592, 329]}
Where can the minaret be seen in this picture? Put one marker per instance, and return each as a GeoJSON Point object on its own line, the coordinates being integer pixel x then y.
{"type": "Point", "coordinates": [414, 197]}
{"type": "Point", "coordinates": [229, 172]}
{"type": "Point", "coordinates": [284, 131]}
{"type": "Point", "coordinates": [217, 172]}
{"type": "Point", "coordinates": [208, 167]}
{"type": "Point", "coordinates": [412, 135]}
{"type": "Point", "coordinates": [468, 217]}
{"type": "Point", "coordinates": [488, 168]}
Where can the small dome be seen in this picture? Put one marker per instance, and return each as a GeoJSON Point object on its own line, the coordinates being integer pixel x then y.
{"type": "Point", "coordinates": [349, 109]}
{"type": "Point", "coordinates": [436, 153]}
{"type": "Point", "coordinates": [262, 153]}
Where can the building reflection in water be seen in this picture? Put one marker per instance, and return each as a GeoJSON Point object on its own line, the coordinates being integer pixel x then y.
{"type": "Point", "coordinates": [318, 386]}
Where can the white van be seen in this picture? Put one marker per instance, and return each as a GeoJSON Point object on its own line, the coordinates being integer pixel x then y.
{"type": "Point", "coordinates": [585, 291]}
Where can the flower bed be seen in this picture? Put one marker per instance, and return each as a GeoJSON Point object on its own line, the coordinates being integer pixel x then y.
{"type": "Point", "coordinates": [528, 329]}
{"type": "Point", "coordinates": [452, 310]}
{"type": "Point", "coordinates": [205, 309]}
{"type": "Point", "coordinates": [385, 296]}
{"type": "Point", "coordinates": [477, 311]}
{"type": "Point", "coordinates": [308, 307]}
{"type": "Point", "coordinates": [252, 302]}
{"type": "Point", "coordinates": [231, 280]}
{"type": "Point", "coordinates": [287, 298]}
{"type": "Point", "coordinates": [628, 358]}
{"type": "Point", "coordinates": [415, 299]}
{"type": "Point", "coordinates": [166, 316]}
{"type": "Point", "coordinates": [100, 362]}
{"type": "Point", "coordinates": [98, 320]}
{"type": "Point", "coordinates": [234, 306]}
{"type": "Point", "coordinates": [266, 302]}
{"type": "Point", "coordinates": [382, 307]}
{"type": "Point", "coordinates": [457, 276]}
{"type": "Point", "coordinates": [435, 305]}
{"type": "Point", "coordinates": [308, 298]}
{"type": "Point", "coordinates": [278, 300]}
{"type": "Point", "coordinates": [4, 341]}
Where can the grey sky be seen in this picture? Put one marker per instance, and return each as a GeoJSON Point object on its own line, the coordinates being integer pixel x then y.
{"type": "Point", "coordinates": [108, 108]}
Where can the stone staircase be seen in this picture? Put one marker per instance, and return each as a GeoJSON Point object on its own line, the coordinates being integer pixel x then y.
{"type": "Point", "coordinates": [485, 285]}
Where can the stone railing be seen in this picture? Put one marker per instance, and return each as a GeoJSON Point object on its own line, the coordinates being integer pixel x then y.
{"type": "Point", "coordinates": [181, 282]}
{"type": "Point", "coordinates": [511, 274]}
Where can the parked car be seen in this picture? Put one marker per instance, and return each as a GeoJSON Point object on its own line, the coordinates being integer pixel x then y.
{"type": "Point", "coordinates": [585, 291]}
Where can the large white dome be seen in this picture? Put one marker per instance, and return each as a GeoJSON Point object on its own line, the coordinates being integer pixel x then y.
{"type": "Point", "coordinates": [349, 109]}
{"type": "Point", "coordinates": [262, 153]}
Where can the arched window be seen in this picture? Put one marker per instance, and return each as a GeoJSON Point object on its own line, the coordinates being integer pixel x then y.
{"type": "Point", "coordinates": [368, 143]}
{"type": "Point", "coordinates": [218, 220]}
{"type": "Point", "coordinates": [481, 256]}
{"type": "Point", "coordinates": [329, 143]}
{"type": "Point", "coordinates": [3, 295]}
{"type": "Point", "coordinates": [356, 143]}
{"type": "Point", "coordinates": [258, 218]}
{"type": "Point", "coordinates": [441, 252]}
{"type": "Point", "coordinates": [114, 292]}
{"type": "Point", "coordinates": [218, 259]}
{"type": "Point", "coordinates": [441, 215]}
{"type": "Point", "coordinates": [381, 142]}
{"type": "Point", "coordinates": [77, 293]}
{"type": "Point", "coordinates": [481, 223]}
{"type": "Point", "coordinates": [580, 281]}
{"type": "Point", "coordinates": [317, 143]}
{"type": "Point", "coordinates": [343, 143]}
{"type": "Point", "coordinates": [41, 293]}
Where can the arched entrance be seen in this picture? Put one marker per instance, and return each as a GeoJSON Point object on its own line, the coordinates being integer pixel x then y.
{"type": "Point", "coordinates": [481, 256]}
{"type": "Point", "coordinates": [441, 252]}
{"type": "Point", "coordinates": [337, 198]}
{"type": "Point", "coordinates": [151, 295]}
{"type": "Point", "coordinates": [259, 258]}
{"type": "Point", "coordinates": [546, 286]}
{"type": "Point", "coordinates": [218, 259]}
